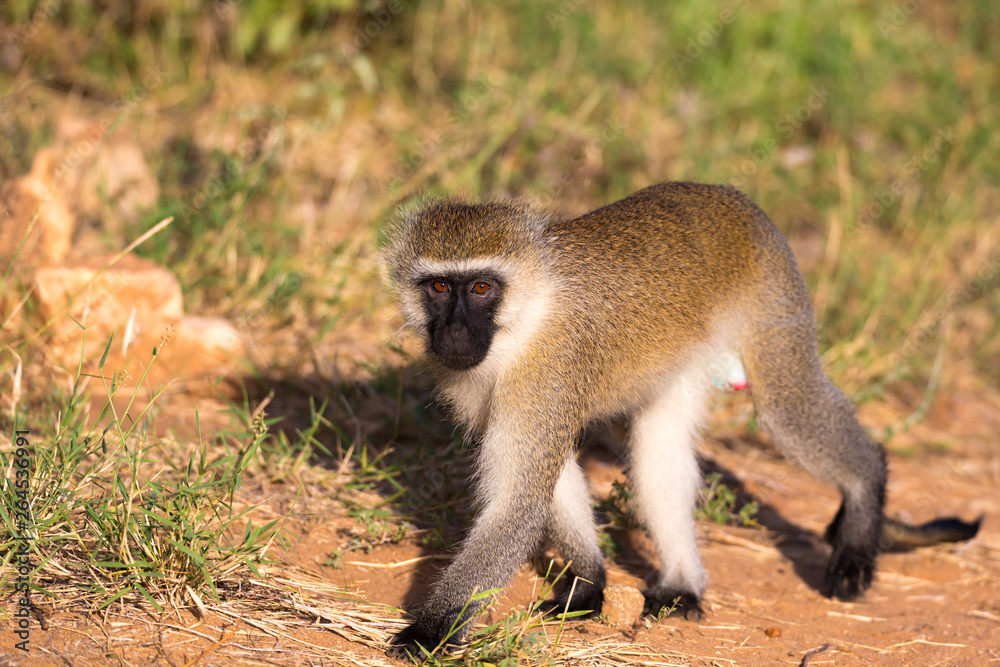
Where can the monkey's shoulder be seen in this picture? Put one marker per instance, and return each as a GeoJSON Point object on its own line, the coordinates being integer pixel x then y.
{"type": "Point", "coordinates": [685, 214]}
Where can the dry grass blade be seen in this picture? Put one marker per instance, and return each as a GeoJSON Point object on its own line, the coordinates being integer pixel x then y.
{"type": "Point", "coordinates": [402, 563]}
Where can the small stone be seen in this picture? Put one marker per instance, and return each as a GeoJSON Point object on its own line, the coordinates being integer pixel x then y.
{"type": "Point", "coordinates": [28, 198]}
{"type": "Point", "coordinates": [139, 303]}
{"type": "Point", "coordinates": [623, 605]}
{"type": "Point", "coordinates": [122, 176]}
{"type": "Point", "coordinates": [103, 175]}
{"type": "Point", "coordinates": [198, 353]}
{"type": "Point", "coordinates": [796, 156]}
{"type": "Point", "coordinates": [136, 300]}
{"type": "Point", "coordinates": [773, 632]}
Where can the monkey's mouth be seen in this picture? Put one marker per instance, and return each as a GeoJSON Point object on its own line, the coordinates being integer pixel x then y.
{"type": "Point", "coordinates": [458, 362]}
{"type": "Point", "coordinates": [462, 350]}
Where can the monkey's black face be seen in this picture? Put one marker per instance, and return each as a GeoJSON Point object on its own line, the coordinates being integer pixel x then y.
{"type": "Point", "coordinates": [461, 313]}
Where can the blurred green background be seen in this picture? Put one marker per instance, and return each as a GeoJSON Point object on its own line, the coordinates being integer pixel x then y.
{"type": "Point", "coordinates": [283, 134]}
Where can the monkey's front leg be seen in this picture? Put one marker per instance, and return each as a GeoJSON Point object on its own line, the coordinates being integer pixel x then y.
{"type": "Point", "coordinates": [516, 495]}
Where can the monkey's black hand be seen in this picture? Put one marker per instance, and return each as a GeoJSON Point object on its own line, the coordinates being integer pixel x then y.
{"type": "Point", "coordinates": [677, 604]}
{"type": "Point", "coordinates": [586, 597]}
{"type": "Point", "coordinates": [416, 641]}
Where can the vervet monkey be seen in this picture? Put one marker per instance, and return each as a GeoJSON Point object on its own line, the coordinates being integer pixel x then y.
{"type": "Point", "coordinates": [536, 327]}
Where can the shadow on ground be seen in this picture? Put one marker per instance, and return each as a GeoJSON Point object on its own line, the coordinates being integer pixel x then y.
{"type": "Point", "coordinates": [401, 445]}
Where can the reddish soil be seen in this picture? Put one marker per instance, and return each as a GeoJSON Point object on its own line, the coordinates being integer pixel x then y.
{"type": "Point", "coordinates": [932, 606]}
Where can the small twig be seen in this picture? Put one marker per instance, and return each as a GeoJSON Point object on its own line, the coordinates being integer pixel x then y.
{"type": "Point", "coordinates": [225, 638]}
{"type": "Point", "coordinates": [855, 617]}
{"type": "Point", "coordinates": [805, 658]}
{"type": "Point", "coordinates": [926, 642]}
{"type": "Point", "coordinates": [984, 614]}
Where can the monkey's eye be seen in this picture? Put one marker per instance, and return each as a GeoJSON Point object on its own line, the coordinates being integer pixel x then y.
{"type": "Point", "coordinates": [481, 288]}
{"type": "Point", "coordinates": [440, 286]}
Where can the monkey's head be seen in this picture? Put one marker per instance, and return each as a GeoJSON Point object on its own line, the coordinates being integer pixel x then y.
{"type": "Point", "coordinates": [463, 274]}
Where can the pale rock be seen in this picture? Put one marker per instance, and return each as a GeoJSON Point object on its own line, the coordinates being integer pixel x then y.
{"type": "Point", "coordinates": [121, 172]}
{"type": "Point", "coordinates": [139, 302]}
{"type": "Point", "coordinates": [136, 299]}
{"type": "Point", "coordinates": [623, 605]}
{"type": "Point", "coordinates": [21, 200]}
{"type": "Point", "coordinates": [198, 353]}
{"type": "Point", "coordinates": [74, 176]}
{"type": "Point", "coordinates": [98, 168]}
{"type": "Point", "coordinates": [796, 156]}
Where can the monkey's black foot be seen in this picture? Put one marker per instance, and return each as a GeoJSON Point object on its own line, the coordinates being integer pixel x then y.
{"type": "Point", "coordinates": [852, 563]}
{"type": "Point", "coordinates": [850, 571]}
{"type": "Point", "coordinates": [417, 642]}
{"type": "Point", "coordinates": [586, 597]}
{"type": "Point", "coordinates": [672, 603]}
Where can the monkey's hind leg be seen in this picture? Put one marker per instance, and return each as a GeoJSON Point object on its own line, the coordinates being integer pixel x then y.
{"type": "Point", "coordinates": [666, 479]}
{"type": "Point", "coordinates": [572, 529]}
{"type": "Point", "coordinates": [814, 424]}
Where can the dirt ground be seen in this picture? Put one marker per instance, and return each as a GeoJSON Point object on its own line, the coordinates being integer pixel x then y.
{"type": "Point", "coordinates": [933, 606]}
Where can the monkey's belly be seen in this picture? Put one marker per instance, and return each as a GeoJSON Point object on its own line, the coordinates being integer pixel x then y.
{"type": "Point", "coordinates": [727, 372]}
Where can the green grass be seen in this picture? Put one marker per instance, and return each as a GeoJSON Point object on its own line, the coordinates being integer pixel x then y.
{"type": "Point", "coordinates": [116, 512]}
{"type": "Point", "coordinates": [721, 504]}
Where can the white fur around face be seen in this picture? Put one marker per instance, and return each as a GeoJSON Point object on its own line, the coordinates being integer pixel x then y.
{"type": "Point", "coordinates": [526, 305]}
{"type": "Point", "coordinates": [666, 479]}
{"type": "Point", "coordinates": [424, 268]}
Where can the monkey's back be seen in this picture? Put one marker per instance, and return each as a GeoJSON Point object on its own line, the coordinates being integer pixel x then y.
{"type": "Point", "coordinates": [669, 265]}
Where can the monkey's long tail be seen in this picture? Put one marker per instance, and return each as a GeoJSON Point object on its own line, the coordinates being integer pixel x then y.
{"type": "Point", "coordinates": [902, 536]}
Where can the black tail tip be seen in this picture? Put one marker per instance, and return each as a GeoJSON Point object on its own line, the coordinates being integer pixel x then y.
{"type": "Point", "coordinates": [900, 536]}
{"type": "Point", "coordinates": [953, 529]}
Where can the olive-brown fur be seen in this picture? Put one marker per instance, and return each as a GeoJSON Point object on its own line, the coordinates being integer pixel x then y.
{"type": "Point", "coordinates": [602, 316]}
